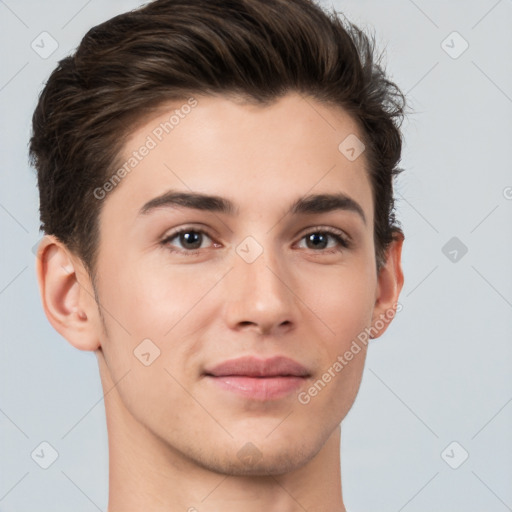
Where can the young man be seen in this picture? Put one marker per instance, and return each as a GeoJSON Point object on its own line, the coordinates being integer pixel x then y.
{"type": "Point", "coordinates": [263, 134]}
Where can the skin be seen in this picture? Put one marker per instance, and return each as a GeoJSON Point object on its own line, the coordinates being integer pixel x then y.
{"type": "Point", "coordinates": [174, 439]}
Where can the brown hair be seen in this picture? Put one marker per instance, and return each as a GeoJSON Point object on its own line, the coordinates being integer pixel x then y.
{"type": "Point", "coordinates": [171, 49]}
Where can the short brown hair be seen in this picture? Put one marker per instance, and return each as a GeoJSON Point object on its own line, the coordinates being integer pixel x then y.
{"type": "Point", "coordinates": [171, 49]}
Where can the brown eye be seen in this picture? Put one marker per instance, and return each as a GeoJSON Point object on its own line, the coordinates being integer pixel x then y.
{"type": "Point", "coordinates": [319, 241]}
{"type": "Point", "coordinates": [189, 240]}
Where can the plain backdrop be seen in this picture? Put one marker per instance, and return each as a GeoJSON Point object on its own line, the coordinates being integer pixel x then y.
{"type": "Point", "coordinates": [431, 426]}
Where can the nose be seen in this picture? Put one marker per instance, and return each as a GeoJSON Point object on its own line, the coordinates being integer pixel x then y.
{"type": "Point", "coordinates": [260, 296]}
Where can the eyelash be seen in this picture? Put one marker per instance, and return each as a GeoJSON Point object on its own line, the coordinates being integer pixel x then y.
{"type": "Point", "coordinates": [341, 239]}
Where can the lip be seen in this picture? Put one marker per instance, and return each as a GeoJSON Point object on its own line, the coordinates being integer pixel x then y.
{"type": "Point", "coordinates": [259, 379]}
{"type": "Point", "coordinates": [249, 366]}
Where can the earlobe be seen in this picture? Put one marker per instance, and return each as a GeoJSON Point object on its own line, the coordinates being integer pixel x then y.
{"type": "Point", "coordinates": [390, 282]}
{"type": "Point", "coordinates": [67, 302]}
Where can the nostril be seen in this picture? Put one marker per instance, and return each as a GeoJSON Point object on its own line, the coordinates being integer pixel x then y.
{"type": "Point", "coordinates": [246, 322]}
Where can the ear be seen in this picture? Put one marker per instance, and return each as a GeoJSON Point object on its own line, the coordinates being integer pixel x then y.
{"type": "Point", "coordinates": [390, 281]}
{"type": "Point", "coordinates": [67, 294]}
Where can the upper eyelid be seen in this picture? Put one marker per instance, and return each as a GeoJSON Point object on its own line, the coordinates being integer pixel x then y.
{"type": "Point", "coordinates": [174, 234]}
{"type": "Point", "coordinates": [327, 229]}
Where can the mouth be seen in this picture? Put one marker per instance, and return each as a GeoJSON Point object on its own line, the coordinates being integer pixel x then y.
{"type": "Point", "coordinates": [258, 379]}
{"type": "Point", "coordinates": [258, 388]}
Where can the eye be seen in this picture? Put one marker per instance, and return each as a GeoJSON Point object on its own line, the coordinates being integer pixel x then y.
{"type": "Point", "coordinates": [318, 240]}
{"type": "Point", "coordinates": [190, 239]}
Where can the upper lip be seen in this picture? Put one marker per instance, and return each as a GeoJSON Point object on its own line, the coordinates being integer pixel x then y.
{"type": "Point", "coordinates": [254, 367]}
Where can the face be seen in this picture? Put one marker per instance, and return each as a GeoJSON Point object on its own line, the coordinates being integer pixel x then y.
{"type": "Point", "coordinates": [254, 278]}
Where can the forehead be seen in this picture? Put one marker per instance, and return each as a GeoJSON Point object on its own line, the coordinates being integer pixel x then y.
{"type": "Point", "coordinates": [254, 155]}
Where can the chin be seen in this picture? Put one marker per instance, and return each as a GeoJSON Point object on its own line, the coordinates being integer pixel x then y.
{"type": "Point", "coordinates": [268, 459]}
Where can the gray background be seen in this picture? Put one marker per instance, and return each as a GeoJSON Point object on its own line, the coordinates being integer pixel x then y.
{"type": "Point", "coordinates": [440, 374]}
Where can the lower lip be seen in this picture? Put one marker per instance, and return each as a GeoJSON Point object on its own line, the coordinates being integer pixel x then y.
{"type": "Point", "coordinates": [259, 388]}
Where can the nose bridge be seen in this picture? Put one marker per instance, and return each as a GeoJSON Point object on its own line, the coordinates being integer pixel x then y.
{"type": "Point", "coordinates": [258, 289]}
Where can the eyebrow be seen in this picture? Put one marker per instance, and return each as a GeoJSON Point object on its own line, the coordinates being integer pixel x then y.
{"type": "Point", "coordinates": [310, 204]}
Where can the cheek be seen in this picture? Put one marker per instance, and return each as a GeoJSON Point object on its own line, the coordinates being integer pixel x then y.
{"type": "Point", "coordinates": [348, 317]}
{"type": "Point", "coordinates": [145, 335]}
{"type": "Point", "coordinates": [343, 299]}
{"type": "Point", "coordinates": [344, 303]}
{"type": "Point", "coordinates": [150, 298]}
{"type": "Point", "coordinates": [166, 305]}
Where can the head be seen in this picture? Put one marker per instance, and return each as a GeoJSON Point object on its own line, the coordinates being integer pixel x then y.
{"type": "Point", "coordinates": [246, 100]}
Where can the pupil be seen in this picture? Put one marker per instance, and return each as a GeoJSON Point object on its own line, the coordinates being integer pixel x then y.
{"type": "Point", "coordinates": [314, 237]}
{"type": "Point", "coordinates": [192, 239]}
